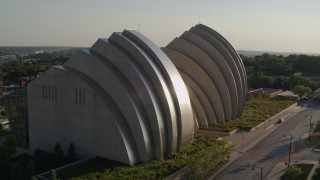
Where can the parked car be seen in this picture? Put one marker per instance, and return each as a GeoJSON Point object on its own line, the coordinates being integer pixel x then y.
{"type": "Point", "coordinates": [280, 120]}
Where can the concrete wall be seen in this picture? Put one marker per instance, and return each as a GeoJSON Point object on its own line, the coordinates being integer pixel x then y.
{"type": "Point", "coordinates": [89, 124]}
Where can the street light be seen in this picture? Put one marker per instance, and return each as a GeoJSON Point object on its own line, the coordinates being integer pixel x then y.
{"type": "Point", "coordinates": [242, 139]}
{"type": "Point", "coordinates": [261, 170]}
{"type": "Point", "coordinates": [310, 117]}
{"type": "Point", "coordinates": [284, 136]}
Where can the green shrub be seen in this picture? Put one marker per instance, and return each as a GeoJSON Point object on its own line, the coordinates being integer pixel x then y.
{"type": "Point", "coordinates": [203, 154]}
{"type": "Point", "coordinates": [256, 111]}
{"type": "Point", "coordinates": [294, 173]}
{"type": "Point", "coordinates": [4, 132]}
{"type": "Point", "coordinates": [3, 113]}
{"type": "Point", "coordinates": [7, 149]}
{"type": "Point", "coordinates": [317, 128]}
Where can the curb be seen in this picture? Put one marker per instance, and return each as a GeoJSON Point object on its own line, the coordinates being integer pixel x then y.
{"type": "Point", "coordinates": [316, 150]}
{"type": "Point", "coordinates": [237, 153]}
{"type": "Point", "coordinates": [233, 157]}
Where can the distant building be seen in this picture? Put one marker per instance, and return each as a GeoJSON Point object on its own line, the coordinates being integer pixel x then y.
{"type": "Point", "coordinates": [4, 124]}
{"type": "Point", "coordinates": [11, 88]}
{"type": "Point", "coordinates": [289, 95]}
{"type": "Point", "coordinates": [271, 93]}
{"type": "Point", "coordinates": [297, 74]}
{"type": "Point", "coordinates": [40, 52]}
{"type": "Point", "coordinates": [316, 95]}
{"type": "Point", "coordinates": [265, 92]}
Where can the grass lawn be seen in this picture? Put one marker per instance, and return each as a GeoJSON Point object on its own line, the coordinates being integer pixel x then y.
{"type": "Point", "coordinates": [315, 138]}
{"type": "Point", "coordinates": [99, 168]}
{"type": "Point", "coordinates": [256, 110]}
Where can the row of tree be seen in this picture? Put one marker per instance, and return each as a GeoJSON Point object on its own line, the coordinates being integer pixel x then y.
{"type": "Point", "coordinates": [12, 71]}
{"type": "Point", "coordinates": [32, 50]}
{"type": "Point", "coordinates": [273, 71]}
{"type": "Point", "coordinates": [7, 149]}
{"type": "Point", "coordinates": [286, 83]}
{"type": "Point", "coordinates": [25, 166]}
{"type": "Point", "coordinates": [274, 65]}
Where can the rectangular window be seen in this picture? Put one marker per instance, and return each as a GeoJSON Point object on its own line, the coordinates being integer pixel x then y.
{"type": "Point", "coordinates": [49, 89]}
{"type": "Point", "coordinates": [46, 92]}
{"type": "Point", "coordinates": [55, 93]}
{"type": "Point", "coordinates": [42, 92]}
{"type": "Point", "coordinates": [80, 93]}
{"type": "Point", "coordinates": [76, 95]}
{"type": "Point", "coordinates": [83, 96]}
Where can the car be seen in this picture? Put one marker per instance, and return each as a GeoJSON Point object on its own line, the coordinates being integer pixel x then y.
{"type": "Point", "coordinates": [280, 120]}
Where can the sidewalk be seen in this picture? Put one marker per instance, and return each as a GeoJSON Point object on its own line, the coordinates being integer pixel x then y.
{"type": "Point", "coordinates": [279, 169]}
{"type": "Point", "coordinates": [244, 140]}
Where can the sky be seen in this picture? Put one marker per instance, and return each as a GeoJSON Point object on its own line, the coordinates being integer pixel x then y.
{"type": "Point", "coordinates": [261, 25]}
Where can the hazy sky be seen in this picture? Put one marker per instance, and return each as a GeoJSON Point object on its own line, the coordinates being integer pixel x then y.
{"type": "Point", "coordinates": [267, 25]}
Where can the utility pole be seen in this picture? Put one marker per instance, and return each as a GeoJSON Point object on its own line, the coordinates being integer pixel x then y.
{"type": "Point", "coordinates": [310, 124]}
{"type": "Point", "coordinates": [261, 170]}
{"type": "Point", "coordinates": [284, 136]}
{"type": "Point", "coordinates": [310, 116]}
{"type": "Point", "coordinates": [242, 139]}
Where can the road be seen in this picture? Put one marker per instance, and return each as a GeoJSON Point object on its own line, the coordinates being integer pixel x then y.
{"type": "Point", "coordinates": [274, 148]}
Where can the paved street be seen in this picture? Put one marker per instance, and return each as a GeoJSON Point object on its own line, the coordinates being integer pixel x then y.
{"type": "Point", "coordinates": [273, 149]}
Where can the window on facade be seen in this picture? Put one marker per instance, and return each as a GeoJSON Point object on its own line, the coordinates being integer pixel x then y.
{"type": "Point", "coordinates": [76, 92]}
{"type": "Point", "coordinates": [55, 93]}
{"type": "Point", "coordinates": [49, 92]}
{"type": "Point", "coordinates": [83, 96]}
{"type": "Point", "coordinates": [80, 95]}
{"type": "Point", "coordinates": [42, 92]}
{"type": "Point", "coordinates": [46, 92]}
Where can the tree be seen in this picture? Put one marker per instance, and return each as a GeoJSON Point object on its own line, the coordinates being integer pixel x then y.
{"type": "Point", "coordinates": [58, 153]}
{"type": "Point", "coordinates": [53, 175]}
{"type": "Point", "coordinates": [262, 82]}
{"type": "Point", "coordinates": [40, 161]}
{"type": "Point", "coordinates": [7, 149]}
{"type": "Point", "coordinates": [16, 171]}
{"type": "Point", "coordinates": [71, 153]}
{"type": "Point", "coordinates": [301, 90]}
{"type": "Point", "coordinates": [294, 173]}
